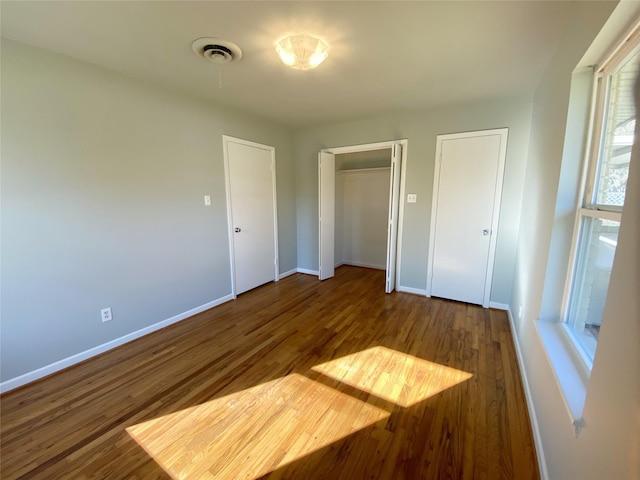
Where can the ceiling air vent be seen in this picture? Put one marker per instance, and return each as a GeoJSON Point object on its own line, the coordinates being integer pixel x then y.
{"type": "Point", "coordinates": [216, 50]}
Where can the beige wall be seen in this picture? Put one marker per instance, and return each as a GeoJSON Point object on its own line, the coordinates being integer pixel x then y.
{"type": "Point", "coordinates": [609, 444]}
{"type": "Point", "coordinates": [421, 129]}
{"type": "Point", "coordinates": [103, 180]}
{"type": "Point", "coordinates": [365, 210]}
{"type": "Point", "coordinates": [102, 184]}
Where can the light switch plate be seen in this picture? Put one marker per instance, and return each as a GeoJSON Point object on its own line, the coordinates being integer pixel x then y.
{"type": "Point", "coordinates": [412, 197]}
{"type": "Point", "coordinates": [207, 200]}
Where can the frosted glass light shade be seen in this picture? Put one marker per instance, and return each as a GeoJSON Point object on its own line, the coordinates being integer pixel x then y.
{"type": "Point", "coordinates": [302, 52]}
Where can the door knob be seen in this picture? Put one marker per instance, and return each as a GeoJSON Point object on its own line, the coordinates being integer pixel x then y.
{"type": "Point", "coordinates": [237, 230]}
{"type": "Point", "coordinates": [485, 232]}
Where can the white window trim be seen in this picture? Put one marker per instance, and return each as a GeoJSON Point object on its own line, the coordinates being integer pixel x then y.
{"type": "Point", "coordinates": [587, 361]}
{"type": "Point", "coordinates": [597, 213]}
{"type": "Point", "coordinates": [600, 98]}
{"type": "Point", "coordinates": [622, 51]}
{"type": "Point", "coordinates": [570, 363]}
{"type": "Point", "coordinates": [587, 206]}
{"type": "Point", "coordinates": [570, 373]}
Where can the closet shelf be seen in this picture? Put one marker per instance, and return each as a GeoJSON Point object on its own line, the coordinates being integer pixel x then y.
{"type": "Point", "coordinates": [362, 170]}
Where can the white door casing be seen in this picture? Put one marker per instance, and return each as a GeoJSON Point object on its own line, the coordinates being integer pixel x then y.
{"type": "Point", "coordinates": [326, 207]}
{"type": "Point", "coordinates": [251, 213]}
{"type": "Point", "coordinates": [464, 221]}
{"type": "Point", "coordinates": [326, 214]}
{"type": "Point", "coordinates": [392, 226]}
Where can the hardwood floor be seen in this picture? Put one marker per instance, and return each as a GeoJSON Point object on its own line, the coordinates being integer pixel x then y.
{"type": "Point", "coordinates": [296, 379]}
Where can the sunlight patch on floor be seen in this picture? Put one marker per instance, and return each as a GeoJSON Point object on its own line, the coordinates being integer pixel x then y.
{"type": "Point", "coordinates": [391, 375]}
{"type": "Point", "coordinates": [253, 432]}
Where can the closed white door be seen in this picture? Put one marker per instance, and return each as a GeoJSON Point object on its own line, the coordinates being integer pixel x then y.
{"type": "Point", "coordinates": [466, 204]}
{"type": "Point", "coordinates": [251, 198]}
{"type": "Point", "coordinates": [392, 228]}
{"type": "Point", "coordinates": [326, 214]}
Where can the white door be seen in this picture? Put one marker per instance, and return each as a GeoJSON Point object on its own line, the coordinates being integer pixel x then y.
{"type": "Point", "coordinates": [326, 204]}
{"type": "Point", "coordinates": [466, 204]}
{"type": "Point", "coordinates": [392, 228]}
{"type": "Point", "coordinates": [251, 203]}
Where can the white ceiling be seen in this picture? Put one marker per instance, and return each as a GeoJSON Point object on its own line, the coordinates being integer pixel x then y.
{"type": "Point", "coordinates": [384, 56]}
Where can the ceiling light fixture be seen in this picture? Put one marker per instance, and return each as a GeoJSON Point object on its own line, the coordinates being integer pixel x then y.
{"type": "Point", "coordinates": [302, 51]}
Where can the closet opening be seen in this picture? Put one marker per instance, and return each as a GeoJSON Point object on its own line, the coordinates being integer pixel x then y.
{"type": "Point", "coordinates": [360, 212]}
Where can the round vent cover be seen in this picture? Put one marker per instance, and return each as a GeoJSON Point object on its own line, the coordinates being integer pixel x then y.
{"type": "Point", "coordinates": [216, 50]}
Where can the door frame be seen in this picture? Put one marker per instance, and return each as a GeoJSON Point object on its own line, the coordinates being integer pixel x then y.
{"type": "Point", "coordinates": [497, 198]}
{"type": "Point", "coordinates": [226, 139]}
{"type": "Point", "coordinates": [366, 147]}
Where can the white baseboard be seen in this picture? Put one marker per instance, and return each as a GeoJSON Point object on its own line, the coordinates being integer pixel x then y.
{"type": "Point", "coordinates": [308, 272]}
{"type": "Point", "coordinates": [537, 436]}
{"type": "Point", "coordinates": [92, 352]}
{"type": "Point", "coordinates": [287, 274]}
{"type": "Point", "coordinates": [500, 306]}
{"type": "Point", "coordinates": [416, 291]}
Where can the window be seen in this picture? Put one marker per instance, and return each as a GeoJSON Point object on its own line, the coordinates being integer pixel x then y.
{"type": "Point", "coordinates": [598, 218]}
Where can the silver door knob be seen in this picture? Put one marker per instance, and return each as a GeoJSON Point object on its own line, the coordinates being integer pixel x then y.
{"type": "Point", "coordinates": [485, 232]}
{"type": "Point", "coordinates": [237, 230]}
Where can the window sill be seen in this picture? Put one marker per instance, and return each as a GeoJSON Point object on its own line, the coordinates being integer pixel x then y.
{"type": "Point", "coordinates": [569, 368]}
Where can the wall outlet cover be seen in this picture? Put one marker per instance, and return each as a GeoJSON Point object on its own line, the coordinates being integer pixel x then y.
{"type": "Point", "coordinates": [106, 314]}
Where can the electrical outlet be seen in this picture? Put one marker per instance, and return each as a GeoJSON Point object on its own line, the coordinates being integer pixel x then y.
{"type": "Point", "coordinates": [520, 312]}
{"type": "Point", "coordinates": [106, 314]}
{"type": "Point", "coordinates": [412, 197]}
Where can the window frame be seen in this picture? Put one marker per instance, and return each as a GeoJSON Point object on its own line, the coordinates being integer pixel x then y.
{"type": "Point", "coordinates": [588, 206]}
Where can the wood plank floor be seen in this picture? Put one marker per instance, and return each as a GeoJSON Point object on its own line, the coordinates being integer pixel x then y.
{"type": "Point", "coordinates": [295, 379]}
